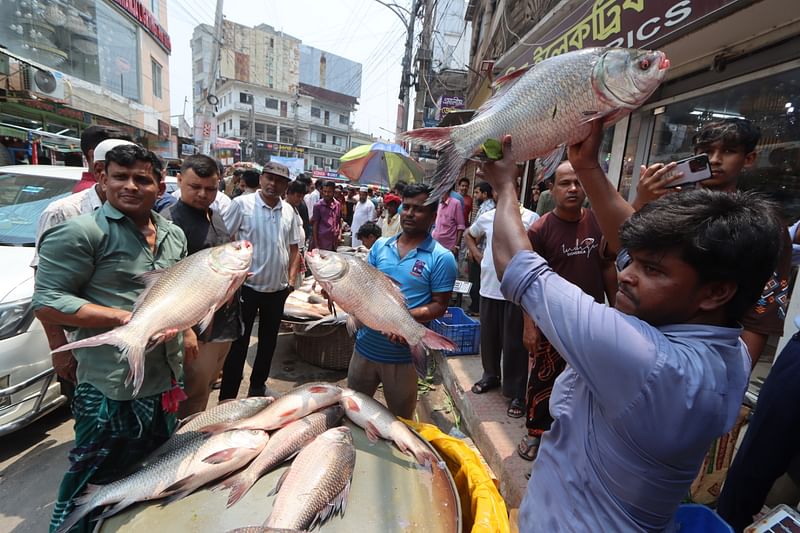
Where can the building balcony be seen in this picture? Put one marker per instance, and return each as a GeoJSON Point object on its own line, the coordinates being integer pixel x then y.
{"type": "Point", "coordinates": [328, 147]}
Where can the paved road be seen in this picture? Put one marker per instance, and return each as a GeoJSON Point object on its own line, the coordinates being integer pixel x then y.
{"type": "Point", "coordinates": [33, 459]}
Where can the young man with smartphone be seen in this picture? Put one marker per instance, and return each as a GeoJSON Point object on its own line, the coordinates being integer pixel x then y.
{"type": "Point", "coordinates": [730, 146]}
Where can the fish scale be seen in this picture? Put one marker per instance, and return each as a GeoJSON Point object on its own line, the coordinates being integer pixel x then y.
{"type": "Point", "coordinates": [316, 485]}
{"type": "Point", "coordinates": [548, 106]}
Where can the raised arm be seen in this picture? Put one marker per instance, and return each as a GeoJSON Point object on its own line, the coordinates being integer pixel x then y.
{"type": "Point", "coordinates": [608, 205]}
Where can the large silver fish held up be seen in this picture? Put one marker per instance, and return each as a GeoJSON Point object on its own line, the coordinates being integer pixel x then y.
{"type": "Point", "coordinates": [178, 297]}
{"type": "Point", "coordinates": [548, 106]}
{"type": "Point", "coordinates": [372, 299]}
{"type": "Point", "coordinates": [317, 484]}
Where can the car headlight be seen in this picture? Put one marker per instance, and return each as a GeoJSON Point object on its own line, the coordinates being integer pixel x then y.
{"type": "Point", "coordinates": [15, 317]}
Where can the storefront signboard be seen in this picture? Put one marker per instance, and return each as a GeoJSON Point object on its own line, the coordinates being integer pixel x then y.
{"type": "Point", "coordinates": [147, 20]}
{"type": "Point", "coordinates": [447, 104]}
{"type": "Point", "coordinates": [619, 23]}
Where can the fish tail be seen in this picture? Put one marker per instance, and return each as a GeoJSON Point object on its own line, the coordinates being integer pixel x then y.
{"type": "Point", "coordinates": [435, 341]}
{"type": "Point", "coordinates": [83, 506]}
{"type": "Point", "coordinates": [450, 158]}
{"type": "Point", "coordinates": [239, 485]}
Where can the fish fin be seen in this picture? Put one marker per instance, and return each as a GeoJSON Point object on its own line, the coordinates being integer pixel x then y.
{"type": "Point", "coordinates": [83, 506]}
{"type": "Point", "coordinates": [114, 509]}
{"type": "Point", "coordinates": [217, 428]}
{"type": "Point", "coordinates": [239, 485]}
{"type": "Point", "coordinates": [349, 404]}
{"type": "Point", "coordinates": [179, 486]}
{"type": "Point", "coordinates": [450, 158]}
{"type": "Point", "coordinates": [183, 421]}
{"type": "Point", "coordinates": [419, 356]}
{"type": "Point", "coordinates": [279, 483]}
{"type": "Point", "coordinates": [221, 456]}
{"type": "Point", "coordinates": [352, 324]}
{"type": "Point", "coordinates": [614, 116]}
{"type": "Point", "coordinates": [372, 432]}
{"type": "Point", "coordinates": [336, 506]}
{"type": "Point", "coordinates": [511, 77]}
{"type": "Point", "coordinates": [206, 320]}
{"type": "Point", "coordinates": [148, 279]}
{"type": "Point", "coordinates": [551, 161]}
{"type": "Point", "coordinates": [118, 337]}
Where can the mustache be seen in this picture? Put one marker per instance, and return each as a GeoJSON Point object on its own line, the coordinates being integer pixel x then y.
{"type": "Point", "coordinates": [621, 287]}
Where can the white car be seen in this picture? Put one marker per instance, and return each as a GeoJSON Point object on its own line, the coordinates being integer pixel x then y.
{"type": "Point", "coordinates": [29, 387]}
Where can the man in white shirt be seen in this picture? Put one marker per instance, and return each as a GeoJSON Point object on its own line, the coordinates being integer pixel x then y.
{"type": "Point", "coordinates": [274, 229]}
{"type": "Point", "coordinates": [312, 197]}
{"type": "Point", "coordinates": [390, 220]}
{"type": "Point", "coordinates": [364, 212]}
{"type": "Point", "coordinates": [501, 320]}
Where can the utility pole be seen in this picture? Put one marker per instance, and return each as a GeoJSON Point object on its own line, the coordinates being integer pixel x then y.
{"type": "Point", "coordinates": [211, 84]}
{"type": "Point", "coordinates": [424, 57]}
{"type": "Point", "coordinates": [405, 85]}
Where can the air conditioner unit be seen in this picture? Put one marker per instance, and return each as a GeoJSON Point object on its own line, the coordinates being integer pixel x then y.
{"type": "Point", "coordinates": [46, 83]}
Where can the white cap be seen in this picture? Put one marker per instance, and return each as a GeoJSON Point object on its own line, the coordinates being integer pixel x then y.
{"type": "Point", "coordinates": [103, 148]}
{"type": "Point", "coordinates": [362, 189]}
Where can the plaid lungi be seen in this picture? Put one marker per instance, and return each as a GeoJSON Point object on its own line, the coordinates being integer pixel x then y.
{"type": "Point", "coordinates": [110, 437]}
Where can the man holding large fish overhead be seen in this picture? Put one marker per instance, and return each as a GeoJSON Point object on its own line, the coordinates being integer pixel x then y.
{"type": "Point", "coordinates": [425, 273]}
{"type": "Point", "coordinates": [87, 280]}
{"type": "Point", "coordinates": [654, 380]}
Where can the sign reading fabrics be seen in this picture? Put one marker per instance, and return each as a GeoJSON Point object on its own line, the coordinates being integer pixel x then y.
{"type": "Point", "coordinates": [619, 23]}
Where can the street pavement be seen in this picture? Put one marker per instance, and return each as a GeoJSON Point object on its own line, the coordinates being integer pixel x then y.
{"type": "Point", "coordinates": [33, 460]}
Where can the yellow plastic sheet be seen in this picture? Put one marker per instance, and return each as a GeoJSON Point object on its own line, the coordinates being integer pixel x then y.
{"type": "Point", "coordinates": [483, 509]}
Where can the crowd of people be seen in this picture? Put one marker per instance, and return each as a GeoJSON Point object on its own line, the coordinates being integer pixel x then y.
{"type": "Point", "coordinates": [614, 330]}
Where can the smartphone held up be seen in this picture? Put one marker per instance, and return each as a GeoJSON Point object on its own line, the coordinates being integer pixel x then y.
{"type": "Point", "coordinates": [694, 169]}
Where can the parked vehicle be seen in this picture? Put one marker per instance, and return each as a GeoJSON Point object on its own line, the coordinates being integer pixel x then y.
{"type": "Point", "coordinates": [29, 387]}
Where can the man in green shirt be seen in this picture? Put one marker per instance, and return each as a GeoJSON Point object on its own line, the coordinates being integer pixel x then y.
{"type": "Point", "coordinates": [86, 282]}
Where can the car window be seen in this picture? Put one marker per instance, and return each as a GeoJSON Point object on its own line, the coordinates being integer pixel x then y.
{"type": "Point", "coordinates": [22, 200]}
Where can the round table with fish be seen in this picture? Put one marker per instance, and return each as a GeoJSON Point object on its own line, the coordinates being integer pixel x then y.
{"type": "Point", "coordinates": [390, 492]}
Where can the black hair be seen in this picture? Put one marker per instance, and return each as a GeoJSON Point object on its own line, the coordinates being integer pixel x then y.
{"type": "Point", "coordinates": [297, 186]}
{"type": "Point", "coordinates": [73, 159]}
{"type": "Point", "coordinates": [238, 172]}
{"type": "Point", "coordinates": [328, 183]}
{"type": "Point", "coordinates": [415, 189]}
{"type": "Point", "coordinates": [368, 228]}
{"type": "Point", "coordinates": [127, 155]}
{"type": "Point", "coordinates": [723, 236]}
{"type": "Point", "coordinates": [302, 178]}
{"type": "Point", "coordinates": [94, 135]}
{"type": "Point", "coordinates": [400, 186]}
{"type": "Point", "coordinates": [463, 179]}
{"type": "Point", "coordinates": [202, 165]}
{"type": "Point", "coordinates": [484, 187]}
{"type": "Point", "coordinates": [252, 178]}
{"type": "Point", "coordinates": [732, 132]}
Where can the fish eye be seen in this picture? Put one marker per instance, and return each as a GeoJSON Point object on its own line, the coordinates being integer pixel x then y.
{"type": "Point", "coordinates": [644, 64]}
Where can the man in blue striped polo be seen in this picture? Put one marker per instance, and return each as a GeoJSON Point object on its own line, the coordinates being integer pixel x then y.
{"type": "Point", "coordinates": [426, 273]}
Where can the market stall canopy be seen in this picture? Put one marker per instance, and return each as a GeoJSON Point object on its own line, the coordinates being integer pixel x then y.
{"type": "Point", "coordinates": [380, 164]}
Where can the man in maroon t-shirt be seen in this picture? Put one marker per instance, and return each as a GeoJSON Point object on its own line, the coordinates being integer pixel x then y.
{"type": "Point", "coordinates": [569, 238]}
{"type": "Point", "coordinates": [326, 220]}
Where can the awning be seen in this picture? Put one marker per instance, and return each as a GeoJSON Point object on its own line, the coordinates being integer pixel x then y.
{"type": "Point", "coordinates": [6, 131]}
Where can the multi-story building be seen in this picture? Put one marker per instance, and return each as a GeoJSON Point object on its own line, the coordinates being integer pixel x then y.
{"type": "Point", "coordinates": [67, 65]}
{"type": "Point", "coordinates": [276, 97]}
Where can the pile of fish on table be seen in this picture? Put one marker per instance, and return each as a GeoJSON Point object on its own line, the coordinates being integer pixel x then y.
{"type": "Point", "coordinates": [261, 434]}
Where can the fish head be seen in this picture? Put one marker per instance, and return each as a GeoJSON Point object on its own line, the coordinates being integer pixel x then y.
{"type": "Point", "coordinates": [339, 435]}
{"type": "Point", "coordinates": [232, 257]}
{"type": "Point", "coordinates": [245, 438]}
{"type": "Point", "coordinates": [626, 77]}
{"type": "Point", "coordinates": [327, 265]}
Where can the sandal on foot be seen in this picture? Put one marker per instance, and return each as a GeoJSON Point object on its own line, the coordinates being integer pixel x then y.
{"type": "Point", "coordinates": [485, 385]}
{"type": "Point", "coordinates": [516, 409]}
{"type": "Point", "coordinates": [528, 447]}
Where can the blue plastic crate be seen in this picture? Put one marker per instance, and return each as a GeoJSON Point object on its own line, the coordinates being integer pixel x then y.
{"type": "Point", "coordinates": [694, 518]}
{"type": "Point", "coordinates": [459, 328]}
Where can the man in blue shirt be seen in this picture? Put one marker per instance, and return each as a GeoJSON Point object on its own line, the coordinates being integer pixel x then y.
{"type": "Point", "coordinates": [652, 382]}
{"type": "Point", "coordinates": [426, 273]}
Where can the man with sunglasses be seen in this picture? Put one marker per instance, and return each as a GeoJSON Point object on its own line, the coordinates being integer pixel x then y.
{"type": "Point", "coordinates": [654, 380]}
